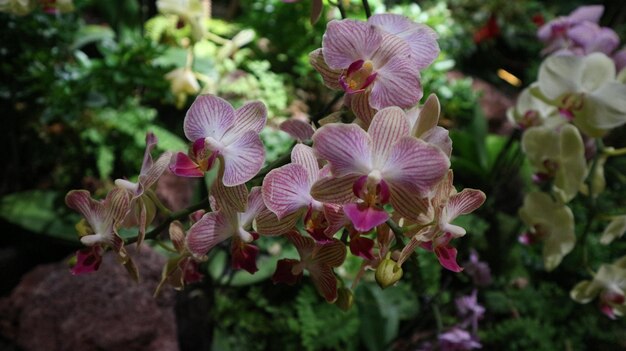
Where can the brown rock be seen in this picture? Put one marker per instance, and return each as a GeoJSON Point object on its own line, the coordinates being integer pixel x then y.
{"type": "Point", "coordinates": [52, 310]}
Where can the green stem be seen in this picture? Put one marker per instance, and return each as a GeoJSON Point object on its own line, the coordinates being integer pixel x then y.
{"type": "Point", "coordinates": [591, 204]}
{"type": "Point", "coordinates": [342, 11]}
{"type": "Point", "coordinates": [157, 202]}
{"type": "Point", "coordinates": [397, 232]}
{"type": "Point", "coordinates": [366, 7]}
{"type": "Point", "coordinates": [174, 216]}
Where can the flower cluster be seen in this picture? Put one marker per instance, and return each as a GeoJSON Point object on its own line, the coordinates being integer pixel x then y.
{"type": "Point", "coordinates": [347, 187]}
{"type": "Point", "coordinates": [579, 97]}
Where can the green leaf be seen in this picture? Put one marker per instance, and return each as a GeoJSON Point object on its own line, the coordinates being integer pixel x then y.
{"type": "Point", "coordinates": [168, 141]}
{"type": "Point", "coordinates": [105, 161]}
{"type": "Point", "coordinates": [37, 211]}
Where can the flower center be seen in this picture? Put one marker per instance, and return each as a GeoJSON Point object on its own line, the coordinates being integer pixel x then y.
{"type": "Point", "coordinates": [372, 189]}
{"type": "Point", "coordinates": [571, 103]}
{"type": "Point", "coordinates": [358, 77]}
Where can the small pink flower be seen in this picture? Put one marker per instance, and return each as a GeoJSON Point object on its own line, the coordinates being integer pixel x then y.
{"type": "Point", "coordinates": [317, 258]}
{"type": "Point", "coordinates": [217, 130]}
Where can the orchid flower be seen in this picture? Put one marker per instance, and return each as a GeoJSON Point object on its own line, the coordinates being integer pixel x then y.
{"type": "Point", "coordinates": [183, 82]}
{"type": "Point", "coordinates": [610, 283]}
{"type": "Point", "coordinates": [225, 222]}
{"type": "Point", "coordinates": [375, 62]}
{"type": "Point", "coordinates": [530, 111]}
{"type": "Point", "coordinates": [614, 230]}
{"type": "Point", "coordinates": [190, 11]}
{"type": "Point", "coordinates": [298, 129]}
{"type": "Point", "coordinates": [98, 230]}
{"type": "Point", "coordinates": [558, 154]}
{"type": "Point", "coordinates": [142, 205]}
{"type": "Point", "coordinates": [435, 235]}
{"type": "Point", "coordinates": [183, 269]}
{"type": "Point", "coordinates": [556, 33]}
{"type": "Point", "coordinates": [287, 193]}
{"type": "Point", "coordinates": [218, 130]}
{"type": "Point", "coordinates": [317, 258]}
{"type": "Point", "coordinates": [457, 339]}
{"type": "Point", "coordinates": [478, 270]}
{"type": "Point", "coordinates": [470, 310]}
{"type": "Point", "coordinates": [585, 89]}
{"type": "Point", "coordinates": [551, 222]}
{"type": "Point", "coordinates": [370, 169]}
{"type": "Point", "coordinates": [619, 58]}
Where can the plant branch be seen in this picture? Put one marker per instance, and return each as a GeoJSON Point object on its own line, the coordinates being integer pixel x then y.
{"type": "Point", "coordinates": [366, 7]}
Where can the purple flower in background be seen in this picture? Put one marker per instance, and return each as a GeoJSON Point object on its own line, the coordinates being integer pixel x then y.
{"type": "Point", "coordinates": [578, 33]}
{"type": "Point", "coordinates": [470, 311]}
{"type": "Point", "coordinates": [478, 270]}
{"type": "Point", "coordinates": [620, 60]}
{"type": "Point", "coordinates": [457, 339]}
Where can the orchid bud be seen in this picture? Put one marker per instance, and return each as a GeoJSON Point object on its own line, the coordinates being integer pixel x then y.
{"type": "Point", "coordinates": [388, 272]}
{"type": "Point", "coordinates": [345, 298]}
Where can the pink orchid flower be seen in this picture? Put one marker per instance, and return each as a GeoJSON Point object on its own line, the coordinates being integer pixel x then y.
{"type": "Point", "coordinates": [225, 222]}
{"type": "Point", "coordinates": [100, 230]}
{"type": "Point", "coordinates": [375, 62]}
{"type": "Point", "coordinates": [317, 258]}
{"type": "Point", "coordinates": [287, 193]}
{"type": "Point", "coordinates": [217, 130]}
{"type": "Point", "coordinates": [142, 206]}
{"type": "Point", "coordinates": [370, 169]}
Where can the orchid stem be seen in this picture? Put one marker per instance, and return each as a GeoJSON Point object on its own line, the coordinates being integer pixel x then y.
{"type": "Point", "coordinates": [591, 205]}
{"type": "Point", "coordinates": [342, 11]}
{"type": "Point", "coordinates": [152, 234]}
{"type": "Point", "coordinates": [366, 7]}
{"type": "Point", "coordinates": [615, 152]}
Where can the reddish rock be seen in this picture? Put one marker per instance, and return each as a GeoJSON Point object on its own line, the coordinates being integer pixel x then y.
{"type": "Point", "coordinates": [175, 192]}
{"type": "Point", "coordinates": [52, 310]}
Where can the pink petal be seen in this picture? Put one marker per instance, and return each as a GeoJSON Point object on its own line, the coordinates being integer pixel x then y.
{"type": "Point", "coordinates": [297, 129]}
{"type": "Point", "coordinates": [244, 256]}
{"type": "Point", "coordinates": [335, 218]}
{"type": "Point", "coordinates": [421, 39]}
{"type": "Point", "coordinates": [286, 190]}
{"type": "Point", "coordinates": [151, 141]}
{"type": "Point", "coordinates": [117, 205]}
{"type": "Point", "coordinates": [209, 231]}
{"type": "Point", "coordinates": [329, 76]}
{"type": "Point", "coordinates": [447, 258]}
{"type": "Point", "coordinates": [335, 190]}
{"type": "Point", "coordinates": [347, 41]}
{"type": "Point", "coordinates": [414, 163]}
{"type": "Point", "coordinates": [464, 202]}
{"type": "Point", "coordinates": [591, 13]}
{"type": "Point", "coordinates": [397, 84]}
{"type": "Point", "coordinates": [363, 217]}
{"type": "Point", "coordinates": [362, 247]}
{"type": "Point", "coordinates": [388, 126]}
{"type": "Point", "coordinates": [208, 116]}
{"type": "Point", "coordinates": [243, 159]}
{"type": "Point", "coordinates": [81, 201]}
{"type": "Point", "coordinates": [87, 260]}
{"type": "Point", "coordinates": [360, 105]}
{"type": "Point", "coordinates": [440, 137]}
{"type": "Point", "coordinates": [305, 156]}
{"type": "Point", "coordinates": [284, 272]}
{"type": "Point", "coordinates": [183, 166]}
{"type": "Point", "coordinates": [255, 206]}
{"type": "Point", "coordinates": [152, 174]}
{"type": "Point", "coordinates": [346, 147]}
{"type": "Point", "coordinates": [251, 116]}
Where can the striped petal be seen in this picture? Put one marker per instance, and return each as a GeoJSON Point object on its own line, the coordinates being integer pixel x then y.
{"type": "Point", "coordinates": [397, 84]}
{"type": "Point", "coordinates": [243, 159]}
{"type": "Point", "coordinates": [208, 116]}
{"type": "Point", "coordinates": [152, 174]}
{"type": "Point", "coordinates": [335, 190]}
{"type": "Point", "coordinates": [360, 105]}
{"type": "Point", "coordinates": [325, 282]}
{"type": "Point", "coordinates": [331, 254]}
{"type": "Point", "coordinates": [81, 201]}
{"type": "Point", "coordinates": [388, 126]}
{"type": "Point", "coordinates": [420, 38]}
{"type": "Point", "coordinates": [465, 202]}
{"type": "Point", "coordinates": [409, 203]}
{"type": "Point", "coordinates": [255, 206]}
{"type": "Point", "coordinates": [335, 218]}
{"type": "Point", "coordinates": [210, 230]}
{"type": "Point", "coordinates": [439, 137]}
{"type": "Point", "coordinates": [297, 129]}
{"type": "Point", "coordinates": [117, 205]}
{"type": "Point", "coordinates": [287, 189]}
{"type": "Point", "coordinates": [414, 163]}
{"type": "Point", "coordinates": [266, 223]}
{"type": "Point", "coordinates": [346, 147]}
{"type": "Point", "coordinates": [305, 156]}
{"type": "Point", "coordinates": [230, 199]}
{"type": "Point", "coordinates": [329, 76]}
{"type": "Point", "coordinates": [347, 41]}
{"type": "Point", "coordinates": [251, 116]}
{"type": "Point", "coordinates": [303, 244]}
{"type": "Point", "coordinates": [151, 141]}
